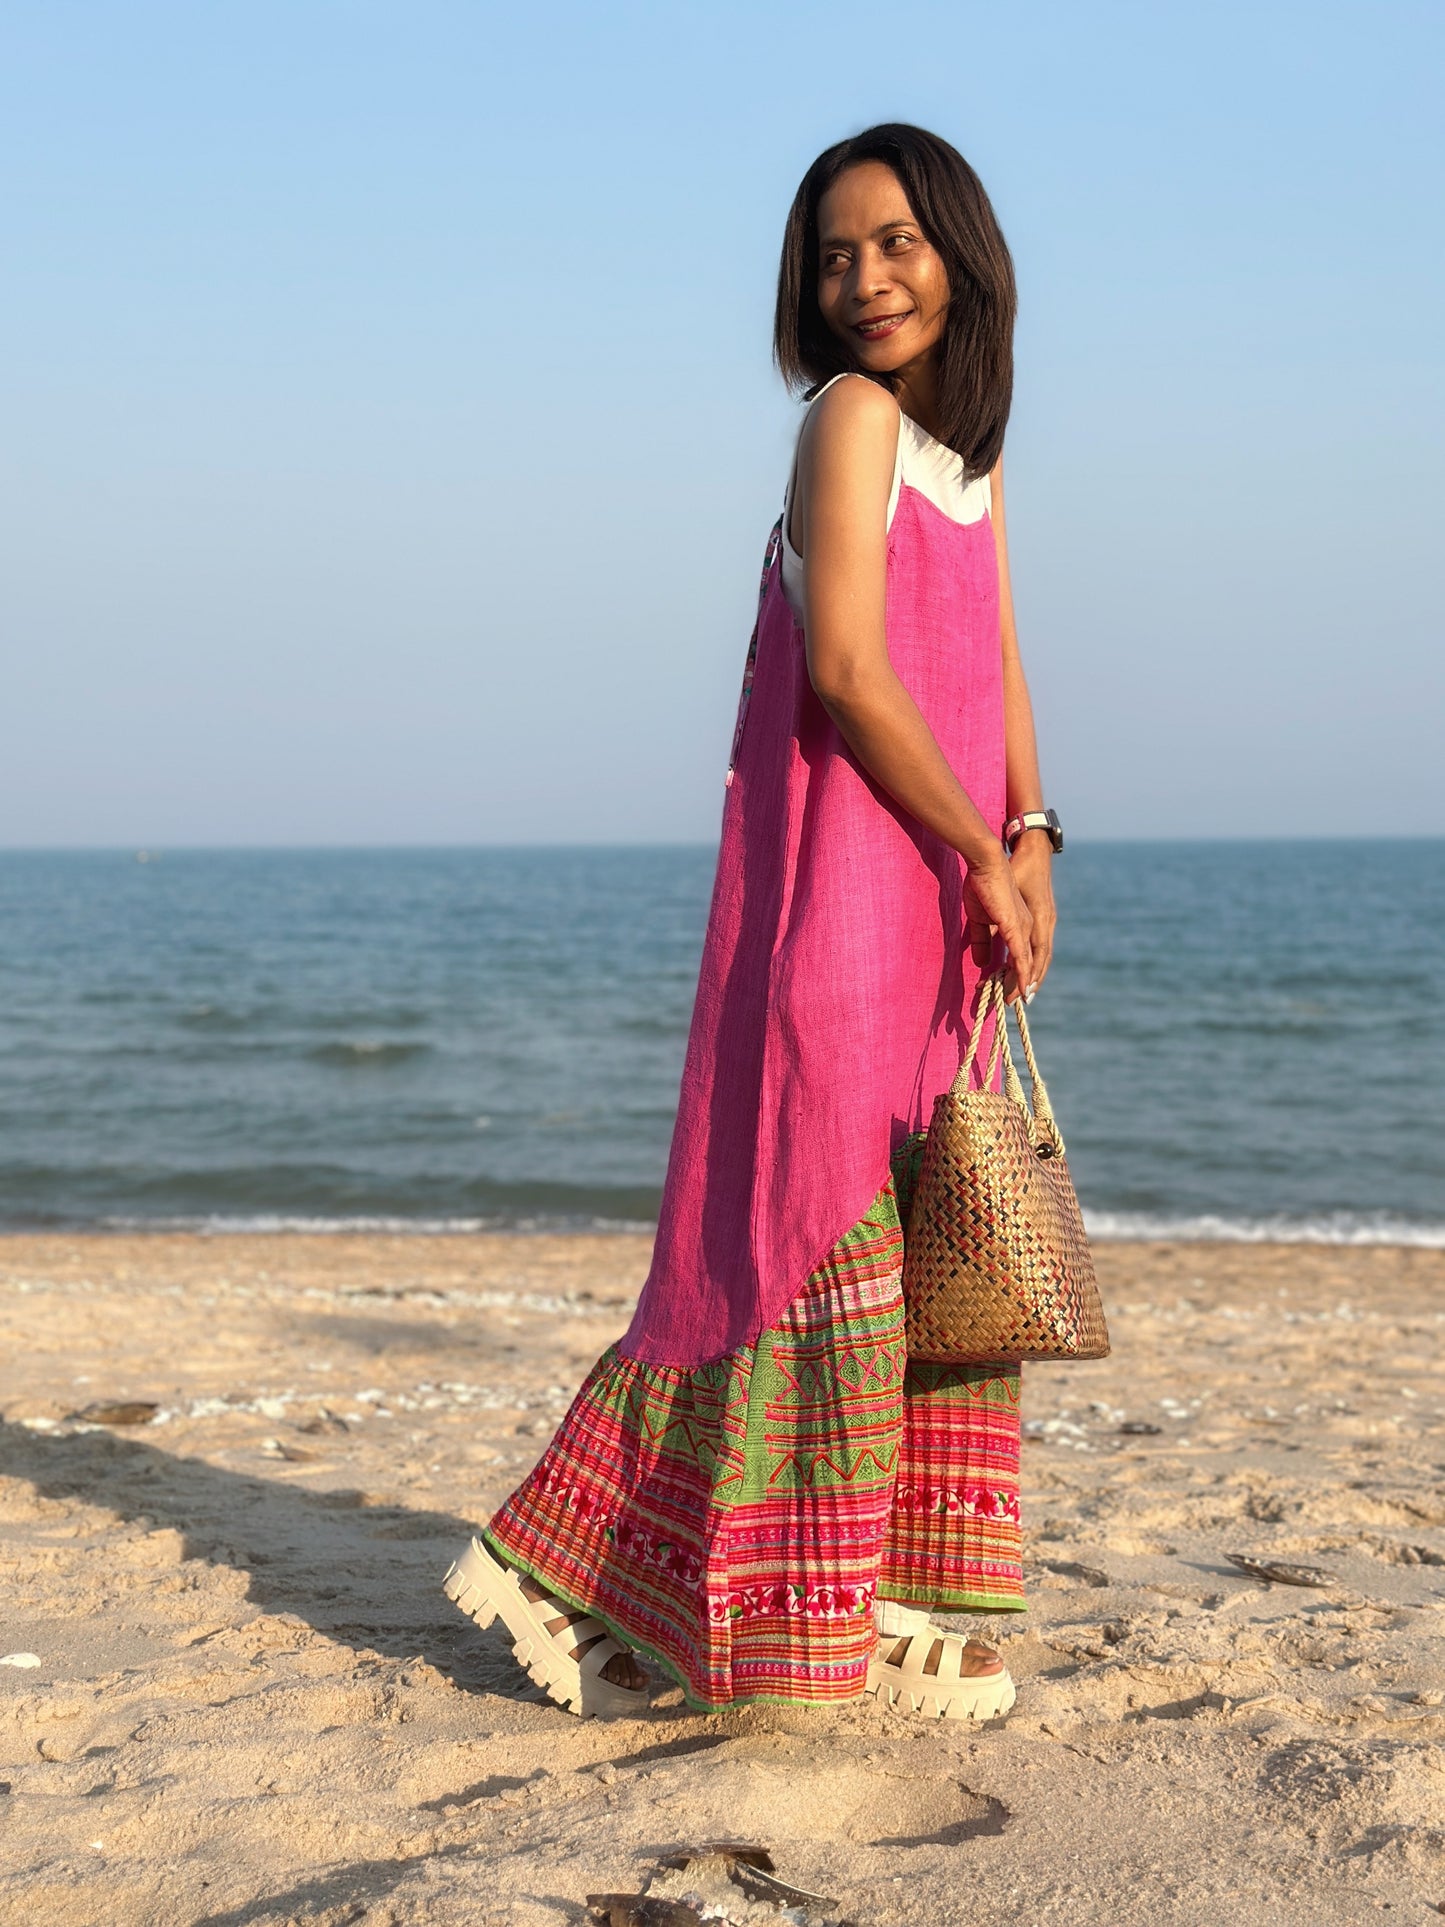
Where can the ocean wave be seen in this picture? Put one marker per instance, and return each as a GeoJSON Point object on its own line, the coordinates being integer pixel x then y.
{"type": "Point", "coordinates": [1133, 1227]}
{"type": "Point", "coordinates": [366, 1053]}
{"type": "Point", "coordinates": [221, 1223]}
{"type": "Point", "coordinates": [1325, 1228]}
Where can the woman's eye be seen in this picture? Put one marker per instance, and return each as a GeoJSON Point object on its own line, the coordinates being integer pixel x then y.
{"type": "Point", "coordinates": [835, 259]}
{"type": "Point", "coordinates": [902, 240]}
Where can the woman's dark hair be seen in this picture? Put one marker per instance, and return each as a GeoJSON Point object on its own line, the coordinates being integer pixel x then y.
{"type": "Point", "coordinates": [975, 354]}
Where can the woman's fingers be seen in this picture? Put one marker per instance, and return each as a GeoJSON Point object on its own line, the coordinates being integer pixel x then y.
{"type": "Point", "coordinates": [1043, 950]}
{"type": "Point", "coordinates": [992, 904]}
{"type": "Point", "coordinates": [1020, 951]}
{"type": "Point", "coordinates": [1046, 926]}
{"type": "Point", "coordinates": [1043, 957]}
{"type": "Point", "coordinates": [1032, 866]}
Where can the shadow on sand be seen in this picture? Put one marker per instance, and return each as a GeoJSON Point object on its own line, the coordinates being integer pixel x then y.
{"type": "Point", "coordinates": [363, 1574]}
{"type": "Point", "coordinates": [367, 1575]}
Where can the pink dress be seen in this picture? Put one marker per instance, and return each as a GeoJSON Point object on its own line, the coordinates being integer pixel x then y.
{"type": "Point", "coordinates": [758, 1462]}
{"type": "Point", "coordinates": [831, 1007]}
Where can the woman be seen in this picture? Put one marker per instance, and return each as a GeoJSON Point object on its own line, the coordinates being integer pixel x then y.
{"type": "Point", "coordinates": [754, 1487]}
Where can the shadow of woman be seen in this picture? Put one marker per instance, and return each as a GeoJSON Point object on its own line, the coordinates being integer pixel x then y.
{"type": "Point", "coordinates": [365, 1574]}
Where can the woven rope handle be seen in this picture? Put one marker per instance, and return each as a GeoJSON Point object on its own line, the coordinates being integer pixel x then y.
{"type": "Point", "coordinates": [1043, 1109]}
{"type": "Point", "coordinates": [982, 1008]}
{"type": "Point", "coordinates": [991, 1000]}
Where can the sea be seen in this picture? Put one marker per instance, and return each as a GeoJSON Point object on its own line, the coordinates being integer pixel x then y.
{"type": "Point", "coordinates": [1242, 1040]}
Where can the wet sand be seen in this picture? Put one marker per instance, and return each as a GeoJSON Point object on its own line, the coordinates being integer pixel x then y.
{"type": "Point", "coordinates": [253, 1704]}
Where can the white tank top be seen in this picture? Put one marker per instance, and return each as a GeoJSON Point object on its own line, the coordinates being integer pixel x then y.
{"type": "Point", "coordinates": [925, 464]}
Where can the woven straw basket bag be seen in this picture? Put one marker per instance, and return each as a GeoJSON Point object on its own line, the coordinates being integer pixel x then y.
{"type": "Point", "coordinates": [996, 1264]}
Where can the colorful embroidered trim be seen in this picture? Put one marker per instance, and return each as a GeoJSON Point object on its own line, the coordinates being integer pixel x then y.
{"type": "Point", "coordinates": [737, 1521]}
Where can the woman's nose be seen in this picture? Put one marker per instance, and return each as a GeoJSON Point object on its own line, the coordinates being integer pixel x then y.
{"type": "Point", "coordinates": [870, 277]}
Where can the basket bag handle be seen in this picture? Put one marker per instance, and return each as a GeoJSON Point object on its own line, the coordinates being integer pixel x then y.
{"type": "Point", "coordinates": [1047, 1140]}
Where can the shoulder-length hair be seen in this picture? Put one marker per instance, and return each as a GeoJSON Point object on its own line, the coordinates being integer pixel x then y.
{"type": "Point", "coordinates": [975, 355]}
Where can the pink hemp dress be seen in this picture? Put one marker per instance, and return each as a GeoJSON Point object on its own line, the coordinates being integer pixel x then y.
{"type": "Point", "coordinates": [835, 985]}
{"type": "Point", "coordinates": [758, 1462]}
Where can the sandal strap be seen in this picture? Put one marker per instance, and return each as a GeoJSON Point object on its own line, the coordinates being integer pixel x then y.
{"type": "Point", "coordinates": [950, 1661]}
{"type": "Point", "coordinates": [601, 1646]}
{"type": "Point", "coordinates": [596, 1657]}
{"type": "Point", "coordinates": [579, 1632]}
{"type": "Point", "coordinates": [897, 1621]}
{"type": "Point", "coordinates": [576, 1625]}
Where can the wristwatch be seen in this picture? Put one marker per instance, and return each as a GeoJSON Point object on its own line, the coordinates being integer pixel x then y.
{"type": "Point", "coordinates": [1034, 820]}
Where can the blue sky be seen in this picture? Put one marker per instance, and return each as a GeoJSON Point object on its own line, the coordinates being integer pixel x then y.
{"type": "Point", "coordinates": [389, 436]}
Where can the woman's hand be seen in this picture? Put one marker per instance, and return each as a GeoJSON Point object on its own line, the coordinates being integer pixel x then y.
{"type": "Point", "coordinates": [993, 903]}
{"type": "Point", "coordinates": [1032, 864]}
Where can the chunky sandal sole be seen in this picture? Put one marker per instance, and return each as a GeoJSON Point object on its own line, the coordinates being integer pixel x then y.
{"type": "Point", "coordinates": [978, 1696]}
{"type": "Point", "coordinates": [486, 1590]}
{"type": "Point", "coordinates": [987, 1697]}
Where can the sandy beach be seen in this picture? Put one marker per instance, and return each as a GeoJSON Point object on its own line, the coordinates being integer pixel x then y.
{"type": "Point", "coordinates": [252, 1703]}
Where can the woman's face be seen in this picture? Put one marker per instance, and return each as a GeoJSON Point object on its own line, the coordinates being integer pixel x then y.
{"type": "Point", "coordinates": [882, 286]}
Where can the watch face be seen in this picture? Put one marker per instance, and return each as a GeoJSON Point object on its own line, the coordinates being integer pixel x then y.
{"type": "Point", "coordinates": [1046, 820]}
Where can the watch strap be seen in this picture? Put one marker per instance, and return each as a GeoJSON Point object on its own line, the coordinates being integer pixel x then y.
{"type": "Point", "coordinates": [1046, 820]}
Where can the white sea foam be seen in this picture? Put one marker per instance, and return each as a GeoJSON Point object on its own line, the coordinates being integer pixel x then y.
{"type": "Point", "coordinates": [1137, 1227]}
{"type": "Point", "coordinates": [1327, 1228]}
{"type": "Point", "coordinates": [221, 1223]}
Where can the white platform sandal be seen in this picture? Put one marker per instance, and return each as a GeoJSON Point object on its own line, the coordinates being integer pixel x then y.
{"type": "Point", "coordinates": [486, 1590]}
{"type": "Point", "coordinates": [946, 1693]}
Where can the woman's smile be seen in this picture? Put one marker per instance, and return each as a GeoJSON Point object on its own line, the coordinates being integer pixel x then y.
{"type": "Point", "coordinates": [877, 327]}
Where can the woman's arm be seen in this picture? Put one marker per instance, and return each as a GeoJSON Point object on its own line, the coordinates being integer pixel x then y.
{"type": "Point", "coordinates": [839, 524]}
{"type": "Point", "coordinates": [1033, 856]}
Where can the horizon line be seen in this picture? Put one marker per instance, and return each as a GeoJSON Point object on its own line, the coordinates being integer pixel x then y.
{"type": "Point", "coordinates": [159, 847]}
